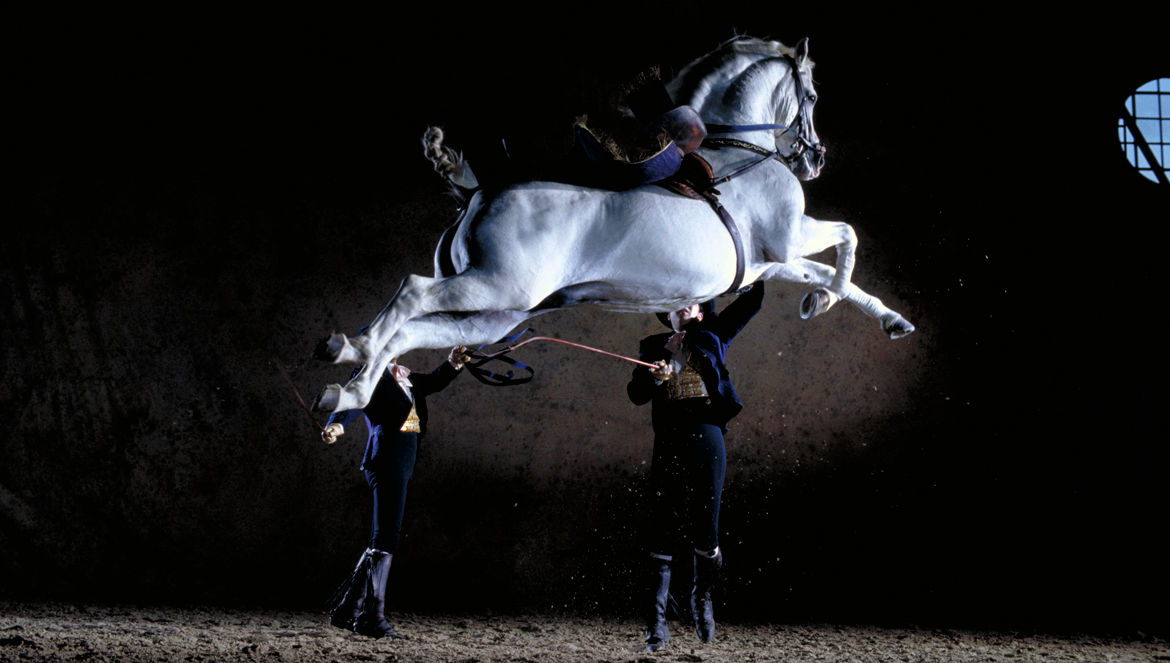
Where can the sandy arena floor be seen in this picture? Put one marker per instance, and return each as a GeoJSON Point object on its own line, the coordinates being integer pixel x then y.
{"type": "Point", "coordinates": [38, 632]}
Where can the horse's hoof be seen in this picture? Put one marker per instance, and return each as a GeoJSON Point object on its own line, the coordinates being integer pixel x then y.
{"type": "Point", "coordinates": [328, 399]}
{"type": "Point", "coordinates": [330, 347]}
{"type": "Point", "coordinates": [816, 302]}
{"type": "Point", "coordinates": [897, 326]}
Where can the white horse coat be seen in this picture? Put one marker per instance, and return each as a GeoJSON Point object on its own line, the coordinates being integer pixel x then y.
{"type": "Point", "coordinates": [539, 246]}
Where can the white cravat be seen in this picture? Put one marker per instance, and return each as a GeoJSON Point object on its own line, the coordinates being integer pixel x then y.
{"type": "Point", "coordinates": [402, 376]}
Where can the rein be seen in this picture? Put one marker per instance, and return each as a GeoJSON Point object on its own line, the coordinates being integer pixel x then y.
{"type": "Point", "coordinates": [477, 360]}
{"type": "Point", "coordinates": [742, 128]}
{"type": "Point", "coordinates": [716, 143]}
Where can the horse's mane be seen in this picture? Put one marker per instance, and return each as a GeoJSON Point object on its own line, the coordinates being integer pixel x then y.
{"type": "Point", "coordinates": [694, 79]}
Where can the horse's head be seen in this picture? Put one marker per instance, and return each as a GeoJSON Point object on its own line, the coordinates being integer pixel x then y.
{"type": "Point", "coordinates": [798, 144]}
{"type": "Point", "coordinates": [747, 88]}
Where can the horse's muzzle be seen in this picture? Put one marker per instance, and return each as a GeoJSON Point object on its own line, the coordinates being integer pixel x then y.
{"type": "Point", "coordinates": [808, 163]}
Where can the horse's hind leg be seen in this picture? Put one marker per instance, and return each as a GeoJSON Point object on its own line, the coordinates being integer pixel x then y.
{"type": "Point", "coordinates": [816, 274]}
{"type": "Point", "coordinates": [437, 330]}
{"type": "Point", "coordinates": [341, 349]}
{"type": "Point", "coordinates": [417, 296]}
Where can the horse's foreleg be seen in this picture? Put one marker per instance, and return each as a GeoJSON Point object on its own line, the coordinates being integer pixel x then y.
{"type": "Point", "coordinates": [816, 237]}
{"type": "Point", "coordinates": [815, 274]}
{"type": "Point", "coordinates": [437, 330]}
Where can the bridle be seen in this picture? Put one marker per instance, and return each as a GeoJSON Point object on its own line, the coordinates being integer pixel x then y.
{"type": "Point", "coordinates": [801, 128]}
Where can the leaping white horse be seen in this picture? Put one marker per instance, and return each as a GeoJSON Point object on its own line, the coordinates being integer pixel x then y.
{"type": "Point", "coordinates": [538, 246]}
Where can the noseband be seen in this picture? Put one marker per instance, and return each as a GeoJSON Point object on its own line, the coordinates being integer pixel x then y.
{"type": "Point", "coordinates": [801, 129]}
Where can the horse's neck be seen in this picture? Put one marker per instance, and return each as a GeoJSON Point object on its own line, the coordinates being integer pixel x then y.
{"type": "Point", "coordinates": [760, 100]}
{"type": "Point", "coordinates": [772, 176]}
{"type": "Point", "coordinates": [727, 160]}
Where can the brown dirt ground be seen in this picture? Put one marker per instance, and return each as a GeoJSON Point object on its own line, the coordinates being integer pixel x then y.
{"type": "Point", "coordinates": [66, 632]}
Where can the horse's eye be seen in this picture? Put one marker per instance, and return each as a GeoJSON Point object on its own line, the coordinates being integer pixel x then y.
{"type": "Point", "coordinates": [812, 98]}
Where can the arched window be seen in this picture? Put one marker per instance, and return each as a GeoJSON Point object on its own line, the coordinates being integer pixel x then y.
{"type": "Point", "coordinates": [1144, 129]}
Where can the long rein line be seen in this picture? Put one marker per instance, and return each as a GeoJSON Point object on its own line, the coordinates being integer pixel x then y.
{"type": "Point", "coordinates": [475, 365]}
{"type": "Point", "coordinates": [569, 343]}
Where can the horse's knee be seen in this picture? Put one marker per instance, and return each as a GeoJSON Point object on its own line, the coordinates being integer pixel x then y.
{"type": "Point", "coordinates": [849, 237]}
{"type": "Point", "coordinates": [412, 290]}
{"type": "Point", "coordinates": [413, 283]}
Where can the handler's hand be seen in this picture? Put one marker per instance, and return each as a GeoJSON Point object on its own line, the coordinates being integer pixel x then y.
{"type": "Point", "coordinates": [332, 432]}
{"type": "Point", "coordinates": [458, 357]}
{"type": "Point", "coordinates": [663, 372]}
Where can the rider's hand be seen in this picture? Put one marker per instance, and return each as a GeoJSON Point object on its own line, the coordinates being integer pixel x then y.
{"type": "Point", "coordinates": [458, 357]}
{"type": "Point", "coordinates": [332, 432]}
{"type": "Point", "coordinates": [663, 372]}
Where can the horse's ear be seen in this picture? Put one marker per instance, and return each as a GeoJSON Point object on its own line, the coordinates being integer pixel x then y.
{"type": "Point", "coordinates": [802, 51]}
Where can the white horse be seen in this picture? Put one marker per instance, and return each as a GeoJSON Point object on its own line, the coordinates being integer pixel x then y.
{"type": "Point", "coordinates": [538, 246]}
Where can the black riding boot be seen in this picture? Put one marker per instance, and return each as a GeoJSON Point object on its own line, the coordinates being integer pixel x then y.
{"type": "Point", "coordinates": [706, 575]}
{"type": "Point", "coordinates": [371, 618]}
{"type": "Point", "coordinates": [347, 601]}
{"type": "Point", "coordinates": [657, 632]}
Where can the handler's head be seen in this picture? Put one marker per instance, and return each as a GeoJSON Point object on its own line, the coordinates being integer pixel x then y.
{"type": "Point", "coordinates": [680, 319]}
{"type": "Point", "coordinates": [690, 315]}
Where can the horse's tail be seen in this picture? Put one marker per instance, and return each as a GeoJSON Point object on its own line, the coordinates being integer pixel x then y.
{"type": "Point", "coordinates": [448, 162]}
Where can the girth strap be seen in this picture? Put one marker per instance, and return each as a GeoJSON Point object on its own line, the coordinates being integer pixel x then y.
{"type": "Point", "coordinates": [695, 180]}
{"type": "Point", "coordinates": [733, 230]}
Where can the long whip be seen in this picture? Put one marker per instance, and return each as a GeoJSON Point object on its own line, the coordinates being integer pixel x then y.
{"type": "Point", "coordinates": [298, 394]}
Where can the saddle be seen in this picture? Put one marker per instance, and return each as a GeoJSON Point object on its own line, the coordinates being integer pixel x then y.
{"type": "Point", "coordinates": [674, 167]}
{"type": "Point", "coordinates": [693, 179]}
{"type": "Point", "coordinates": [657, 152]}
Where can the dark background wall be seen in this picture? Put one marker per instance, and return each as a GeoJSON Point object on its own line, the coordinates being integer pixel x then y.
{"type": "Point", "coordinates": [202, 197]}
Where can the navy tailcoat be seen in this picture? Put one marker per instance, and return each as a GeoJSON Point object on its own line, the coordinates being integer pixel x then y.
{"type": "Point", "coordinates": [389, 406]}
{"type": "Point", "coordinates": [711, 337]}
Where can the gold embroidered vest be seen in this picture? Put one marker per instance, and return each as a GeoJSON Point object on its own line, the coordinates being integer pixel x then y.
{"type": "Point", "coordinates": [688, 383]}
{"type": "Point", "coordinates": [412, 424]}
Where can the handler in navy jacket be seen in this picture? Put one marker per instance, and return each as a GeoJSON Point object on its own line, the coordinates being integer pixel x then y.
{"type": "Point", "coordinates": [396, 417]}
{"type": "Point", "coordinates": [693, 400]}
